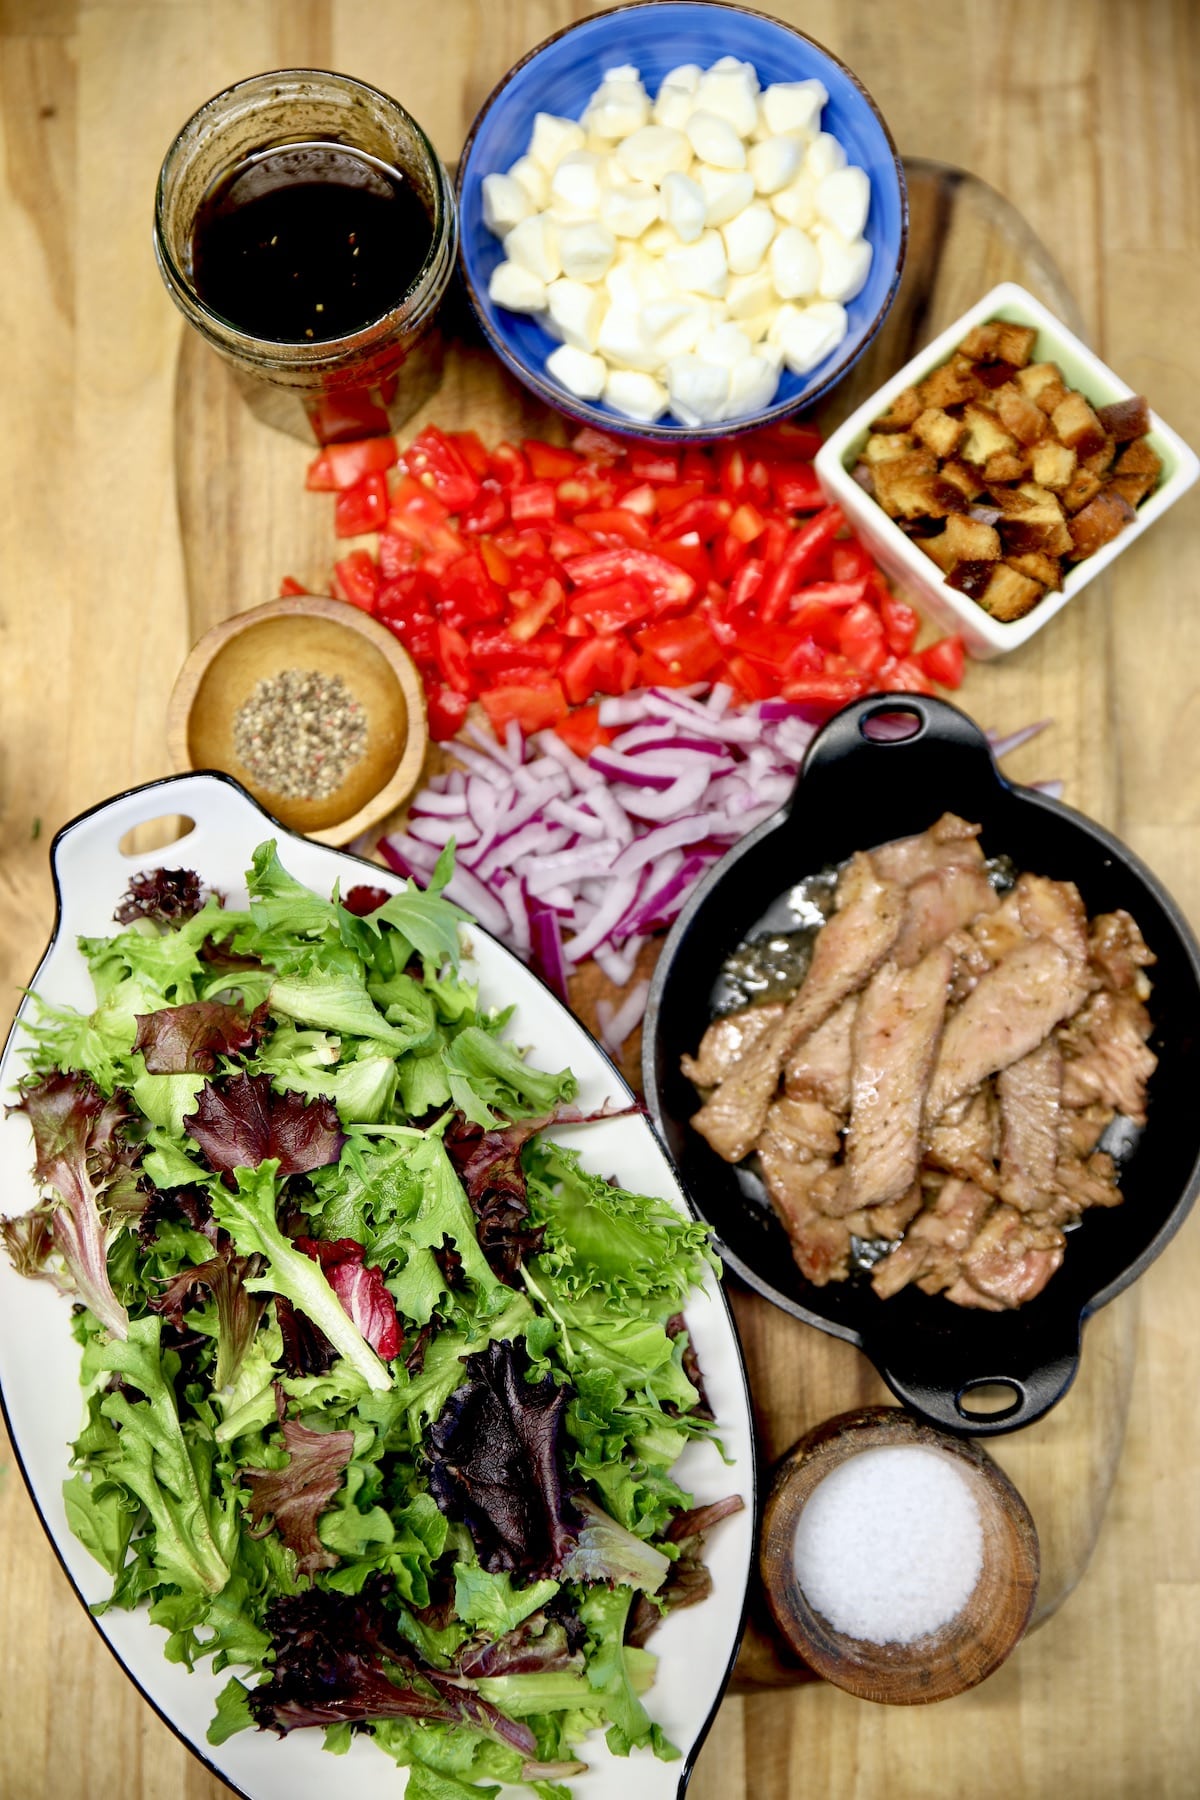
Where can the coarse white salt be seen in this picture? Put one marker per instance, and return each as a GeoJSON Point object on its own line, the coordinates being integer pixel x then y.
{"type": "Point", "coordinates": [889, 1546]}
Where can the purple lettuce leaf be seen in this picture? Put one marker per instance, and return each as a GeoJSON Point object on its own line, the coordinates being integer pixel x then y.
{"type": "Point", "coordinates": [292, 1499]}
{"type": "Point", "coordinates": [168, 896]}
{"type": "Point", "coordinates": [240, 1121]}
{"type": "Point", "coordinates": [306, 1349]}
{"type": "Point", "coordinates": [225, 1275]}
{"type": "Point", "coordinates": [188, 1040]}
{"type": "Point", "coordinates": [84, 1157]}
{"type": "Point", "coordinates": [495, 1461]}
{"type": "Point", "coordinates": [359, 1287]}
{"type": "Point", "coordinates": [688, 1581]}
{"type": "Point", "coordinates": [337, 1659]}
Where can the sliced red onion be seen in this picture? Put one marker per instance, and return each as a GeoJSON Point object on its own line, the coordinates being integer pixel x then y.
{"type": "Point", "coordinates": [616, 1026]}
{"type": "Point", "coordinates": [548, 948]}
{"type": "Point", "coordinates": [607, 850]}
{"type": "Point", "coordinates": [1003, 746]}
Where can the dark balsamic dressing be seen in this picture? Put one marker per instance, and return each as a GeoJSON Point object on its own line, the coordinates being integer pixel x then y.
{"type": "Point", "coordinates": [304, 243]}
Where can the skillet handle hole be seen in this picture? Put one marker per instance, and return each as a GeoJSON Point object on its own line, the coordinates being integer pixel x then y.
{"type": "Point", "coordinates": [988, 1399]}
{"type": "Point", "coordinates": [891, 725]}
{"type": "Point", "coordinates": [155, 834]}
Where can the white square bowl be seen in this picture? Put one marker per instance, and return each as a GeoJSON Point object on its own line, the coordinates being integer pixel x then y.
{"type": "Point", "coordinates": [908, 566]}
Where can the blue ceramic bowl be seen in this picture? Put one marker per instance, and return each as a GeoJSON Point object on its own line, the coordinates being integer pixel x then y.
{"type": "Point", "coordinates": [560, 77]}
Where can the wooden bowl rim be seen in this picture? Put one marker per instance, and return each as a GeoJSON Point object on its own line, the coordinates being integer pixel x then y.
{"type": "Point", "coordinates": [208, 648]}
{"type": "Point", "coordinates": [867, 1670]}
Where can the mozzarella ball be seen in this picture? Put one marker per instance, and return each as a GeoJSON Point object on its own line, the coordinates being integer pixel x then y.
{"type": "Point", "coordinates": [844, 267]}
{"type": "Point", "coordinates": [586, 250]}
{"type": "Point", "coordinates": [730, 90]}
{"type": "Point", "coordinates": [726, 192]}
{"type": "Point", "coordinates": [746, 238]}
{"type": "Point", "coordinates": [699, 268]}
{"type": "Point", "coordinates": [505, 203]}
{"type": "Point", "coordinates": [794, 105]}
{"type": "Point", "coordinates": [619, 107]}
{"type": "Point", "coordinates": [795, 264]}
{"type": "Point", "coordinates": [654, 151]}
{"type": "Point", "coordinates": [581, 374]}
{"type": "Point", "coordinates": [796, 204]}
{"type": "Point", "coordinates": [534, 245]}
{"type": "Point", "coordinates": [636, 396]}
{"type": "Point", "coordinates": [684, 207]}
{"type": "Point", "coordinates": [752, 384]}
{"type": "Point", "coordinates": [715, 141]}
{"type": "Point", "coordinates": [775, 163]}
{"type": "Point", "coordinates": [552, 139]}
{"type": "Point", "coordinates": [534, 179]}
{"type": "Point", "coordinates": [576, 310]}
{"type": "Point", "coordinates": [699, 390]}
{"type": "Point", "coordinates": [808, 335]}
{"type": "Point", "coordinates": [823, 156]}
{"type": "Point", "coordinates": [629, 208]}
{"type": "Point", "coordinates": [577, 186]}
{"type": "Point", "coordinates": [843, 200]}
{"type": "Point", "coordinates": [513, 287]}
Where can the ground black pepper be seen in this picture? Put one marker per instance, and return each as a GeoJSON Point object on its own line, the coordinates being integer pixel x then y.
{"type": "Point", "coordinates": [300, 733]}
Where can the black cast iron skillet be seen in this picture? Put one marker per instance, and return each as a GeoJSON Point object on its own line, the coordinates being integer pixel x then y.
{"type": "Point", "coordinates": [853, 792]}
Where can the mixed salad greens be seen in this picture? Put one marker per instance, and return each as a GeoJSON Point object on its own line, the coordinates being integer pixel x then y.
{"type": "Point", "coordinates": [383, 1389]}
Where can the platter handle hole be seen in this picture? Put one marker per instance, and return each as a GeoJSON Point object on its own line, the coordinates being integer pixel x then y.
{"type": "Point", "coordinates": [891, 725]}
{"type": "Point", "coordinates": [156, 834]}
{"type": "Point", "coordinates": [989, 1399]}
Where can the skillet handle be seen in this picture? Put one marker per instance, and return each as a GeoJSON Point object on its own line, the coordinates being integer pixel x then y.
{"type": "Point", "coordinates": [844, 752]}
{"type": "Point", "coordinates": [1036, 1375]}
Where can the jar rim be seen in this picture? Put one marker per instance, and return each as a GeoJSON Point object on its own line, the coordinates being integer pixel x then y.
{"type": "Point", "coordinates": [442, 247]}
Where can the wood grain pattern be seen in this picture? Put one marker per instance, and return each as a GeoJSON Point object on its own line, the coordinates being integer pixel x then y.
{"type": "Point", "coordinates": [1085, 116]}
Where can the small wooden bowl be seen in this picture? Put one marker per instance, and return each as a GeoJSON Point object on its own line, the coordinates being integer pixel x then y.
{"type": "Point", "coordinates": [306, 631]}
{"type": "Point", "coordinates": [942, 1663]}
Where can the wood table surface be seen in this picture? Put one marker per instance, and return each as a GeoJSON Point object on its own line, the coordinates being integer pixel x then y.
{"type": "Point", "coordinates": [1087, 117]}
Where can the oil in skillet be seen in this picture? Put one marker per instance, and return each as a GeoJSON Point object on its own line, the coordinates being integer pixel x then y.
{"type": "Point", "coordinates": [302, 243]}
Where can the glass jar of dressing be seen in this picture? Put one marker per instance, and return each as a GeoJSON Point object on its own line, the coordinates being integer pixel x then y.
{"type": "Point", "coordinates": [305, 227]}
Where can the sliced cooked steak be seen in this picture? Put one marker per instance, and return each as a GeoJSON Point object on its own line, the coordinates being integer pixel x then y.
{"type": "Point", "coordinates": [803, 1129]}
{"type": "Point", "coordinates": [887, 1221]}
{"type": "Point", "coordinates": [1010, 1261]}
{"type": "Point", "coordinates": [950, 841]}
{"type": "Point", "coordinates": [846, 953]}
{"type": "Point", "coordinates": [1030, 1102]}
{"type": "Point", "coordinates": [1054, 910]}
{"type": "Point", "coordinates": [727, 1039]}
{"type": "Point", "coordinates": [820, 1246]}
{"type": "Point", "coordinates": [935, 1240]}
{"type": "Point", "coordinates": [1119, 953]}
{"type": "Point", "coordinates": [1005, 1016]}
{"type": "Point", "coordinates": [938, 903]}
{"type": "Point", "coordinates": [819, 1068]}
{"type": "Point", "coordinates": [894, 1042]}
{"type": "Point", "coordinates": [1107, 1057]}
{"type": "Point", "coordinates": [965, 1142]}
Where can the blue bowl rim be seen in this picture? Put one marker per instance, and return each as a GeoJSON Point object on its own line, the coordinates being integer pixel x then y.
{"type": "Point", "coordinates": [556, 397]}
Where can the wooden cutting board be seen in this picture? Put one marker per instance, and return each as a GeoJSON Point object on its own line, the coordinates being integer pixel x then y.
{"type": "Point", "coordinates": [246, 521]}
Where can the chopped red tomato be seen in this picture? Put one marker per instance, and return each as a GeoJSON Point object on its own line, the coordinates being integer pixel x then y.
{"type": "Point", "coordinates": [438, 463]}
{"type": "Point", "coordinates": [289, 587]}
{"type": "Point", "coordinates": [357, 579]}
{"type": "Point", "coordinates": [363, 507]}
{"type": "Point", "coordinates": [944, 661]}
{"type": "Point", "coordinates": [534, 577]}
{"type": "Point", "coordinates": [533, 707]}
{"type": "Point", "coordinates": [341, 466]}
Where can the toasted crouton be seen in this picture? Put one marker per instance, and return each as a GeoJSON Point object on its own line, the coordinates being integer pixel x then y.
{"type": "Point", "coordinates": [969, 540]}
{"type": "Point", "coordinates": [1137, 472]}
{"type": "Point", "coordinates": [950, 385]}
{"type": "Point", "coordinates": [884, 446]}
{"type": "Point", "coordinates": [1009, 595]}
{"type": "Point", "coordinates": [1038, 567]}
{"type": "Point", "coordinates": [938, 431]}
{"type": "Point", "coordinates": [968, 481]}
{"type": "Point", "coordinates": [905, 408]}
{"type": "Point", "coordinates": [1083, 486]}
{"type": "Point", "coordinates": [985, 436]}
{"type": "Point", "coordinates": [1019, 414]}
{"type": "Point", "coordinates": [1016, 343]}
{"type": "Point", "coordinates": [1125, 419]}
{"type": "Point", "coordinates": [1041, 378]}
{"type": "Point", "coordinates": [971, 578]}
{"type": "Point", "coordinates": [1053, 464]}
{"type": "Point", "coordinates": [1100, 461]}
{"type": "Point", "coordinates": [983, 343]}
{"type": "Point", "coordinates": [1076, 424]}
{"type": "Point", "coordinates": [938, 550]}
{"type": "Point", "coordinates": [1033, 520]}
{"type": "Point", "coordinates": [908, 488]}
{"type": "Point", "coordinates": [1006, 465]}
{"type": "Point", "coordinates": [1100, 521]}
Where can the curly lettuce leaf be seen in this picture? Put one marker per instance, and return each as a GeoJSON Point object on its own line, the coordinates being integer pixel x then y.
{"type": "Point", "coordinates": [488, 1077]}
{"type": "Point", "coordinates": [293, 1496]}
{"type": "Point", "coordinates": [248, 1214]}
{"type": "Point", "coordinates": [167, 1465]}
